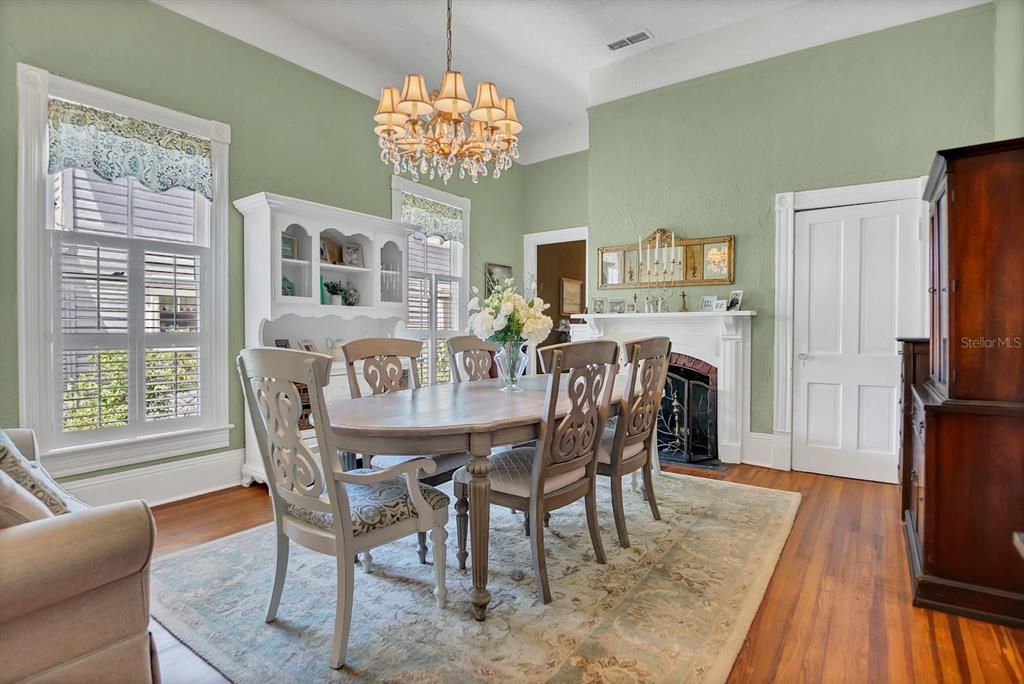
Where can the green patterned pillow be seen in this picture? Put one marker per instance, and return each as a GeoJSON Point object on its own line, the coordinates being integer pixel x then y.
{"type": "Point", "coordinates": [28, 475]}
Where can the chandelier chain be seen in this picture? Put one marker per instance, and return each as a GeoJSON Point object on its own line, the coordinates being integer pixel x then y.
{"type": "Point", "coordinates": [449, 35]}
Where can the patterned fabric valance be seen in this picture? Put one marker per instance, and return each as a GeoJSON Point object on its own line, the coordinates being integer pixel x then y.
{"type": "Point", "coordinates": [114, 146]}
{"type": "Point", "coordinates": [433, 218]}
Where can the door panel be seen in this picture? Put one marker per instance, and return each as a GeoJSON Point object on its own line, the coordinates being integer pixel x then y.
{"type": "Point", "coordinates": [857, 275]}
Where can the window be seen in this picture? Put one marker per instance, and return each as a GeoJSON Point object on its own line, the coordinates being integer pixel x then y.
{"type": "Point", "coordinates": [435, 312]}
{"type": "Point", "coordinates": [122, 311]}
{"type": "Point", "coordinates": [437, 271]}
{"type": "Point", "coordinates": [129, 283]}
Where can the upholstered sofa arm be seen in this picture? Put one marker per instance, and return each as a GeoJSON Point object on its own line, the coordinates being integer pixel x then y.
{"type": "Point", "coordinates": [25, 440]}
{"type": "Point", "coordinates": [50, 560]}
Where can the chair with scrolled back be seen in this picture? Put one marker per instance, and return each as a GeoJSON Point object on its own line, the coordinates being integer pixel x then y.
{"type": "Point", "coordinates": [471, 358]}
{"type": "Point", "coordinates": [316, 503]}
{"type": "Point", "coordinates": [626, 448]}
{"type": "Point", "coordinates": [561, 467]}
{"type": "Point", "coordinates": [383, 361]}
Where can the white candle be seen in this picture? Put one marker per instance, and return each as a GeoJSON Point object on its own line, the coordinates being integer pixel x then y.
{"type": "Point", "coordinates": [648, 257]}
{"type": "Point", "coordinates": [640, 251]}
{"type": "Point", "coordinates": [657, 247]}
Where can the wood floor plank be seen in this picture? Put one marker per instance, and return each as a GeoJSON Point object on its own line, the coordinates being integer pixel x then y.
{"type": "Point", "coordinates": [838, 608]}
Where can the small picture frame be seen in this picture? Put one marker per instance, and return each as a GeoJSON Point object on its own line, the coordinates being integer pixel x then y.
{"type": "Point", "coordinates": [708, 303]}
{"type": "Point", "coordinates": [282, 343]}
{"type": "Point", "coordinates": [307, 345]}
{"type": "Point", "coordinates": [289, 246]}
{"type": "Point", "coordinates": [352, 254]}
{"type": "Point", "coordinates": [617, 306]}
{"type": "Point", "coordinates": [572, 296]}
{"type": "Point", "coordinates": [735, 300]}
{"type": "Point", "coordinates": [495, 275]}
{"type": "Point", "coordinates": [600, 305]}
{"type": "Point", "coordinates": [330, 251]}
{"type": "Point", "coordinates": [720, 305]}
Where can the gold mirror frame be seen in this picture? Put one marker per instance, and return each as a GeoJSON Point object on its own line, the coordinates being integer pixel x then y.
{"type": "Point", "coordinates": [690, 272]}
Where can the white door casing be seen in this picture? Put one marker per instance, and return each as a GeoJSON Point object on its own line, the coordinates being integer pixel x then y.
{"type": "Point", "coordinates": [857, 281]}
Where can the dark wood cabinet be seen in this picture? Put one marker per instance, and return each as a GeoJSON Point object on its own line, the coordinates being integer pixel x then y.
{"type": "Point", "coordinates": [962, 467]}
{"type": "Point", "coordinates": [914, 357]}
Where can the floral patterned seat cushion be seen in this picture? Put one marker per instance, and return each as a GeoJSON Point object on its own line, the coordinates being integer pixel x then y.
{"type": "Point", "coordinates": [29, 475]}
{"type": "Point", "coordinates": [374, 506]}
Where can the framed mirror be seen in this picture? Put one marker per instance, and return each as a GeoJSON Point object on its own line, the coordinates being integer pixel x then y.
{"type": "Point", "coordinates": [663, 259]}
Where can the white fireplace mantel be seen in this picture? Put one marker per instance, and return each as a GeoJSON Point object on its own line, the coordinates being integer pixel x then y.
{"type": "Point", "coordinates": [721, 338]}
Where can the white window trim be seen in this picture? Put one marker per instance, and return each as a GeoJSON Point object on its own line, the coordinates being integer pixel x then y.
{"type": "Point", "coordinates": [35, 365]}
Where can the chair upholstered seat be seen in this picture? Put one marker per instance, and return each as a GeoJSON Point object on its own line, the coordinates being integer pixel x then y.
{"type": "Point", "coordinates": [512, 471]}
{"type": "Point", "coordinates": [445, 462]}
{"type": "Point", "coordinates": [604, 451]}
{"type": "Point", "coordinates": [374, 505]}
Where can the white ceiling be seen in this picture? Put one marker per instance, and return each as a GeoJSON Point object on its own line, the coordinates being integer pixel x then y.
{"type": "Point", "coordinates": [551, 55]}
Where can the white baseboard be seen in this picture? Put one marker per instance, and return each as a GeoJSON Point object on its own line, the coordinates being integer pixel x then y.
{"type": "Point", "coordinates": [767, 450]}
{"type": "Point", "coordinates": [165, 482]}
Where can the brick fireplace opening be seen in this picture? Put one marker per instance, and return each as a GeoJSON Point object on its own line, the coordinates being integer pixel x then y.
{"type": "Point", "coordinates": [688, 422]}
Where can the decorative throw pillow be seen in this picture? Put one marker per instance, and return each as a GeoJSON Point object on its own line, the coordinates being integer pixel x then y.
{"type": "Point", "coordinates": [28, 475]}
{"type": "Point", "coordinates": [17, 506]}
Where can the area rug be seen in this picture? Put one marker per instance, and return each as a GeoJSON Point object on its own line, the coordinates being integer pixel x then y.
{"type": "Point", "coordinates": [674, 607]}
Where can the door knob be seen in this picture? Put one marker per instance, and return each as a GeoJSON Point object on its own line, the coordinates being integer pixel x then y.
{"type": "Point", "coordinates": [803, 357]}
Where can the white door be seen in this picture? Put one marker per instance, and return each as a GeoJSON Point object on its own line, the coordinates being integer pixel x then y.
{"type": "Point", "coordinates": [859, 284]}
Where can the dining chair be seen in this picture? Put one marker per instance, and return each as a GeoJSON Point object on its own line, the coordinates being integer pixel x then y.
{"type": "Point", "coordinates": [561, 467]}
{"type": "Point", "coordinates": [626, 448]}
{"type": "Point", "coordinates": [382, 361]}
{"type": "Point", "coordinates": [318, 505]}
{"type": "Point", "coordinates": [471, 358]}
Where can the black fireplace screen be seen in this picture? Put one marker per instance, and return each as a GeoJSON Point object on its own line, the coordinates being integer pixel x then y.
{"type": "Point", "coordinates": [688, 422]}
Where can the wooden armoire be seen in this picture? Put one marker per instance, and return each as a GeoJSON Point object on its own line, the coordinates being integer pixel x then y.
{"type": "Point", "coordinates": [964, 482]}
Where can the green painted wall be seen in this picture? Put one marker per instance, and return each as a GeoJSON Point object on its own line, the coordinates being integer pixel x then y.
{"type": "Point", "coordinates": [1009, 69]}
{"type": "Point", "coordinates": [293, 132]}
{"type": "Point", "coordinates": [555, 193]}
{"type": "Point", "coordinates": [707, 156]}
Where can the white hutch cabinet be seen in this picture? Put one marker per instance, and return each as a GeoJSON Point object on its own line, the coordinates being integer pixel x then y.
{"type": "Point", "coordinates": [284, 293]}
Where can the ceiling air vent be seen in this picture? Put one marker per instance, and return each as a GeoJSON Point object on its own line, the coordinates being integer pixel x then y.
{"type": "Point", "coordinates": [630, 40]}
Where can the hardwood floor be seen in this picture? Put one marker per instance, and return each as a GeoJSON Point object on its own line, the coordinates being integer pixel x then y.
{"type": "Point", "coordinates": [837, 609]}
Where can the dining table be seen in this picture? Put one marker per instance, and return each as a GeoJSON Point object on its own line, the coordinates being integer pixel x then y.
{"type": "Point", "coordinates": [472, 417]}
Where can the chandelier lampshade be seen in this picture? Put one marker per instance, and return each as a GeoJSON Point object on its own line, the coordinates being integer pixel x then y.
{"type": "Point", "coordinates": [387, 108]}
{"type": "Point", "coordinates": [414, 100]}
{"type": "Point", "coordinates": [487, 106]}
{"type": "Point", "coordinates": [509, 124]}
{"type": "Point", "coordinates": [453, 99]}
{"type": "Point", "coordinates": [440, 132]}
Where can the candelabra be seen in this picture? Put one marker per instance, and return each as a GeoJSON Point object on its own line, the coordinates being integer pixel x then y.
{"type": "Point", "coordinates": [657, 275]}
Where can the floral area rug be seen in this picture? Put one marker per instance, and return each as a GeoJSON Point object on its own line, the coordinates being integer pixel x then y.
{"type": "Point", "coordinates": [674, 607]}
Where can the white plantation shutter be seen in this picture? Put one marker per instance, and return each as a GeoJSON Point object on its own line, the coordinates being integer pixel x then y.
{"type": "Point", "coordinates": [419, 303]}
{"type": "Point", "coordinates": [130, 290]}
{"type": "Point", "coordinates": [434, 303]}
{"type": "Point", "coordinates": [172, 383]}
{"type": "Point", "coordinates": [93, 289]}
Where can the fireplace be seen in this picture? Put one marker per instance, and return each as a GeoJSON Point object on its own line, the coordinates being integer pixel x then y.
{"type": "Point", "coordinates": [688, 422]}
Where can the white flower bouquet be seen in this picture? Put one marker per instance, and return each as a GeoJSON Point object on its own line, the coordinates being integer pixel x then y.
{"type": "Point", "coordinates": [509, 319]}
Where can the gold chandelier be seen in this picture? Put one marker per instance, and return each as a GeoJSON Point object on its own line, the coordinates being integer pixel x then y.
{"type": "Point", "coordinates": [420, 132]}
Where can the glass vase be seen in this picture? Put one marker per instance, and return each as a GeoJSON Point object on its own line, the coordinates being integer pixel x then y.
{"type": "Point", "coordinates": [511, 362]}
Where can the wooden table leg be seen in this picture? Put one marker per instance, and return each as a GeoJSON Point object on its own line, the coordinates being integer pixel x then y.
{"type": "Point", "coordinates": [479, 520]}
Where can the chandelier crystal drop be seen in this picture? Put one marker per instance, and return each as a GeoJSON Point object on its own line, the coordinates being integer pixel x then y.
{"type": "Point", "coordinates": [441, 132]}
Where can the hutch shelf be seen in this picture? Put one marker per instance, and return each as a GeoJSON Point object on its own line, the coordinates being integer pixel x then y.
{"type": "Point", "coordinates": [286, 269]}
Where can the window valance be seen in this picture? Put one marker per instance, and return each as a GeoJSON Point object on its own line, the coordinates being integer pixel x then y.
{"type": "Point", "coordinates": [114, 146]}
{"type": "Point", "coordinates": [433, 218]}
